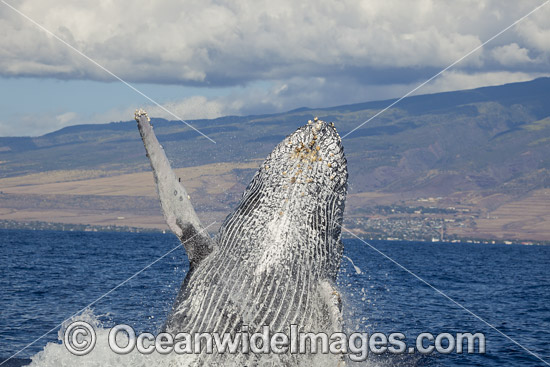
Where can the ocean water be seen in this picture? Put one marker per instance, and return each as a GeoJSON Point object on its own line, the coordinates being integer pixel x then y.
{"type": "Point", "coordinates": [48, 276]}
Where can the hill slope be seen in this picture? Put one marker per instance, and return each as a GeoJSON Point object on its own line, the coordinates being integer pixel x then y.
{"type": "Point", "coordinates": [466, 163]}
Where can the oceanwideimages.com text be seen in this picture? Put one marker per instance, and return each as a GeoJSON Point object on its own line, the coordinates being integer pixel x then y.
{"type": "Point", "coordinates": [80, 338]}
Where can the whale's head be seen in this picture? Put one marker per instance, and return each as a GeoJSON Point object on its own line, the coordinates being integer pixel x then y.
{"type": "Point", "coordinates": [308, 163]}
{"type": "Point", "coordinates": [293, 208]}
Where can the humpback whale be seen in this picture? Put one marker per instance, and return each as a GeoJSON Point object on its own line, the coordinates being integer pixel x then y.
{"type": "Point", "coordinates": [277, 255]}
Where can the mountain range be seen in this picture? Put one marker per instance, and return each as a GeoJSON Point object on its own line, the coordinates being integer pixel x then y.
{"type": "Point", "coordinates": [470, 164]}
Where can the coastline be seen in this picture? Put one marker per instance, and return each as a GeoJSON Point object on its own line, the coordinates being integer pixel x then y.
{"type": "Point", "coordinates": [70, 227]}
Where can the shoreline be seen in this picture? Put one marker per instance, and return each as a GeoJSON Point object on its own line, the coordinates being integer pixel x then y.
{"type": "Point", "coordinates": [67, 227]}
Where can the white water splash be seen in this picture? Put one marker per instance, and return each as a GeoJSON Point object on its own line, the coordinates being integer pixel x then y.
{"type": "Point", "coordinates": [357, 270]}
{"type": "Point", "coordinates": [55, 354]}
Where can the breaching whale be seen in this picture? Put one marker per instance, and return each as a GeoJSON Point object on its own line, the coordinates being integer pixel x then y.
{"type": "Point", "coordinates": [276, 257]}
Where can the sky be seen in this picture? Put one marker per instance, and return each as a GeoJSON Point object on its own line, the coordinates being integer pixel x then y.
{"type": "Point", "coordinates": [210, 58]}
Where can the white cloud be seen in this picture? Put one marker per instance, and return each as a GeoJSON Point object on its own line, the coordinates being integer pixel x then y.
{"type": "Point", "coordinates": [233, 42]}
{"type": "Point", "coordinates": [197, 107]}
{"type": "Point", "coordinates": [280, 96]}
{"type": "Point", "coordinates": [282, 54]}
{"type": "Point", "coordinates": [510, 55]}
{"type": "Point", "coordinates": [456, 80]}
{"type": "Point", "coordinates": [66, 117]}
{"type": "Point", "coordinates": [309, 92]}
{"type": "Point", "coordinates": [36, 124]}
{"type": "Point", "coordinates": [535, 31]}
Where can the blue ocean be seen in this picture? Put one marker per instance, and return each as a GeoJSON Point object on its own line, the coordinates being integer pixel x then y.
{"type": "Point", "coordinates": [502, 291]}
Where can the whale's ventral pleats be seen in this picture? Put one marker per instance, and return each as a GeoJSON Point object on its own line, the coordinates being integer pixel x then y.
{"type": "Point", "coordinates": [276, 257]}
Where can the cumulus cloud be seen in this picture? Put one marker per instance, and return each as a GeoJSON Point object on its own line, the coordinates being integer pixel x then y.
{"type": "Point", "coordinates": [454, 80]}
{"type": "Point", "coordinates": [273, 55]}
{"type": "Point", "coordinates": [217, 43]}
{"type": "Point", "coordinates": [308, 92]}
{"type": "Point", "coordinates": [25, 124]}
{"type": "Point", "coordinates": [510, 55]}
{"type": "Point", "coordinates": [535, 32]}
{"type": "Point", "coordinates": [66, 117]}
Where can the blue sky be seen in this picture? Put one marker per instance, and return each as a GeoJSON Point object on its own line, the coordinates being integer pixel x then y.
{"type": "Point", "coordinates": [212, 58]}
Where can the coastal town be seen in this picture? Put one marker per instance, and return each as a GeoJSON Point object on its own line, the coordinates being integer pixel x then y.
{"type": "Point", "coordinates": [420, 221]}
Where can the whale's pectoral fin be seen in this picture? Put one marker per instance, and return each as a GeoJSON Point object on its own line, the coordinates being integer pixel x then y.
{"type": "Point", "coordinates": [174, 200]}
